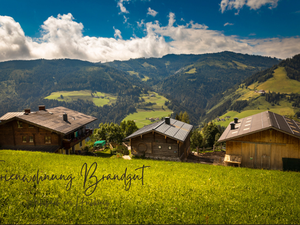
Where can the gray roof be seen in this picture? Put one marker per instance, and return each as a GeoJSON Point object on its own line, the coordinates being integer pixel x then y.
{"type": "Point", "coordinates": [53, 119]}
{"type": "Point", "coordinates": [261, 121]}
{"type": "Point", "coordinates": [176, 129]}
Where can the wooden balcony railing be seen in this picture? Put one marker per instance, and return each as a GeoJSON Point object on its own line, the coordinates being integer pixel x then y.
{"type": "Point", "coordinates": [69, 143]}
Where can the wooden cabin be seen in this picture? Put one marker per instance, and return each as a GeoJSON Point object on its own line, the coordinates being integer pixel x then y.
{"type": "Point", "coordinates": [265, 140]}
{"type": "Point", "coordinates": [58, 130]}
{"type": "Point", "coordinates": [168, 139]}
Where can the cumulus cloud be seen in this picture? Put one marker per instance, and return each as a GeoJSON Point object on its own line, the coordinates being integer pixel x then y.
{"type": "Point", "coordinates": [62, 37]}
{"type": "Point", "coordinates": [122, 7]}
{"type": "Point", "coordinates": [253, 4]}
{"type": "Point", "coordinates": [228, 24]}
{"type": "Point", "coordinates": [151, 12]}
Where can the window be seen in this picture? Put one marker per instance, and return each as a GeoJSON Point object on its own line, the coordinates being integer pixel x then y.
{"type": "Point", "coordinates": [31, 139]}
{"type": "Point", "coordinates": [24, 138]}
{"type": "Point", "coordinates": [80, 144]}
{"type": "Point", "coordinates": [20, 124]}
{"type": "Point", "coordinates": [30, 126]}
{"type": "Point", "coordinates": [47, 140]}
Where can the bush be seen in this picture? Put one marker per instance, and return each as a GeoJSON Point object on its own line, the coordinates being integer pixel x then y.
{"type": "Point", "coordinates": [122, 149]}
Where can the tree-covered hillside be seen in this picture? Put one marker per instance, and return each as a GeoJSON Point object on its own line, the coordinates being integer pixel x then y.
{"type": "Point", "coordinates": [276, 89]}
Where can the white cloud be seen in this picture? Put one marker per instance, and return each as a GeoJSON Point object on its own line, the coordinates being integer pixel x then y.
{"type": "Point", "coordinates": [62, 37]}
{"type": "Point", "coordinates": [253, 4]}
{"type": "Point", "coordinates": [228, 24]}
{"type": "Point", "coordinates": [117, 33]}
{"type": "Point", "coordinates": [122, 7]}
{"type": "Point", "coordinates": [151, 12]}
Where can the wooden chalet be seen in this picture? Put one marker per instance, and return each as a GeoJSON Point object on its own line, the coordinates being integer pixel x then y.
{"type": "Point", "coordinates": [265, 140]}
{"type": "Point", "coordinates": [58, 130]}
{"type": "Point", "coordinates": [167, 139]}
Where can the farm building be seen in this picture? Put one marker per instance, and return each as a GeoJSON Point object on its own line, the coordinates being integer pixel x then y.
{"type": "Point", "coordinates": [58, 130]}
{"type": "Point", "coordinates": [166, 139]}
{"type": "Point", "coordinates": [265, 140]}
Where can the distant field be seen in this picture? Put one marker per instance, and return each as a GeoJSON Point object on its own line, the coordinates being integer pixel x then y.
{"type": "Point", "coordinates": [155, 111]}
{"type": "Point", "coordinates": [283, 109]}
{"type": "Point", "coordinates": [280, 83]}
{"type": "Point", "coordinates": [140, 117]}
{"type": "Point", "coordinates": [69, 96]}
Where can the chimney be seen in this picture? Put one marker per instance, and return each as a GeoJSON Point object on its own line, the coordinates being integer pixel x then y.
{"type": "Point", "coordinates": [236, 120]}
{"type": "Point", "coordinates": [232, 126]}
{"type": "Point", "coordinates": [65, 117]}
{"type": "Point", "coordinates": [27, 111]}
{"type": "Point", "coordinates": [167, 120]}
{"type": "Point", "coordinates": [42, 107]}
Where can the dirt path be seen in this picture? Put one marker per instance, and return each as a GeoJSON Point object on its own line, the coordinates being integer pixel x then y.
{"type": "Point", "coordinates": [215, 158]}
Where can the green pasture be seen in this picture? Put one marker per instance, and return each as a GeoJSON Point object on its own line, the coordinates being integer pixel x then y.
{"type": "Point", "coordinates": [157, 110]}
{"type": "Point", "coordinates": [166, 193]}
{"type": "Point", "coordinates": [69, 96]}
{"type": "Point", "coordinates": [284, 108]}
{"type": "Point", "coordinates": [280, 83]}
{"type": "Point", "coordinates": [140, 117]}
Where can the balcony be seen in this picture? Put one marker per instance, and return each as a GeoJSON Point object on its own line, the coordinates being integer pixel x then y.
{"type": "Point", "coordinates": [69, 143]}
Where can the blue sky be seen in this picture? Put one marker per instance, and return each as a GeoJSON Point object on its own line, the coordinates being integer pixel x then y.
{"type": "Point", "coordinates": [123, 29]}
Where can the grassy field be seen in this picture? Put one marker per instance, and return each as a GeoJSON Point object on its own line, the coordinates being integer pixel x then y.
{"type": "Point", "coordinates": [155, 111]}
{"type": "Point", "coordinates": [280, 83]}
{"type": "Point", "coordinates": [166, 193]}
{"type": "Point", "coordinates": [69, 96]}
{"type": "Point", "coordinates": [285, 108]}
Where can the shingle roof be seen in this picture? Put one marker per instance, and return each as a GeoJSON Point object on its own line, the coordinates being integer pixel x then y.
{"type": "Point", "coordinates": [10, 115]}
{"type": "Point", "coordinates": [261, 121]}
{"type": "Point", "coordinates": [176, 129]}
{"type": "Point", "coordinates": [53, 119]}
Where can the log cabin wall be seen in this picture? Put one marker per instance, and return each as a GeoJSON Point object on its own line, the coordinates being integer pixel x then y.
{"type": "Point", "coordinates": [155, 145]}
{"type": "Point", "coordinates": [21, 133]}
{"type": "Point", "coordinates": [264, 149]}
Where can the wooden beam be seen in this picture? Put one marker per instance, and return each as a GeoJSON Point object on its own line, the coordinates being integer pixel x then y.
{"type": "Point", "coordinates": [264, 143]}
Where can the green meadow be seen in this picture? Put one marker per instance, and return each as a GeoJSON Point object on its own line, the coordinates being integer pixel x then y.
{"type": "Point", "coordinates": [157, 110]}
{"type": "Point", "coordinates": [69, 96]}
{"type": "Point", "coordinates": [166, 192]}
{"type": "Point", "coordinates": [280, 83]}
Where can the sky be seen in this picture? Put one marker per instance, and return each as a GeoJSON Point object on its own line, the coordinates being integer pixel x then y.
{"type": "Point", "coordinates": [102, 31]}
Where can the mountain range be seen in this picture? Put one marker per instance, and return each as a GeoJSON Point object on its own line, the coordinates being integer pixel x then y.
{"type": "Point", "coordinates": [198, 84]}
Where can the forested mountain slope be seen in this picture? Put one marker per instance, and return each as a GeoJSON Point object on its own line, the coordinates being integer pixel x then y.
{"type": "Point", "coordinates": [276, 89]}
{"type": "Point", "coordinates": [23, 83]}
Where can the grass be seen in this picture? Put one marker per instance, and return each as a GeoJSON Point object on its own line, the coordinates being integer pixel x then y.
{"type": "Point", "coordinates": [69, 96]}
{"type": "Point", "coordinates": [155, 111]}
{"type": "Point", "coordinates": [145, 78]}
{"type": "Point", "coordinates": [259, 105]}
{"type": "Point", "coordinates": [171, 193]}
{"type": "Point", "coordinates": [280, 83]}
{"type": "Point", "coordinates": [191, 71]}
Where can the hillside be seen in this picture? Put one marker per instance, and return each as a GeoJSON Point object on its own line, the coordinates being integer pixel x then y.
{"type": "Point", "coordinates": [186, 82]}
{"type": "Point", "coordinates": [194, 81]}
{"type": "Point", "coordinates": [276, 89]}
{"type": "Point", "coordinates": [25, 84]}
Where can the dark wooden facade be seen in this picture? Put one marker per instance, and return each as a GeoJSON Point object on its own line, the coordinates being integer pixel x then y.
{"type": "Point", "coordinates": [21, 133]}
{"type": "Point", "coordinates": [264, 149]}
{"type": "Point", "coordinates": [156, 145]}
